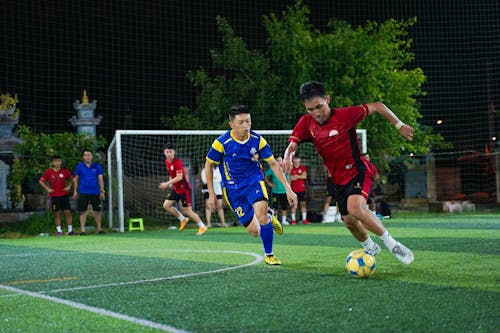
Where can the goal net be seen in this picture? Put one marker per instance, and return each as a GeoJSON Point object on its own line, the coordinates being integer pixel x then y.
{"type": "Point", "coordinates": [136, 167]}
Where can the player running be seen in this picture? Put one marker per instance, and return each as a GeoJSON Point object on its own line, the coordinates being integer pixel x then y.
{"type": "Point", "coordinates": [179, 190]}
{"type": "Point", "coordinates": [333, 133]}
{"type": "Point", "coordinates": [237, 153]}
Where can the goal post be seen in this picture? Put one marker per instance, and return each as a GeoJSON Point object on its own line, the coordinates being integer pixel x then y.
{"type": "Point", "coordinates": [135, 165]}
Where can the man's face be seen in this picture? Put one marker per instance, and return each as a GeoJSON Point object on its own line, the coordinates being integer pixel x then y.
{"type": "Point", "coordinates": [56, 163]}
{"type": "Point", "coordinates": [87, 157]}
{"type": "Point", "coordinates": [318, 108]}
{"type": "Point", "coordinates": [169, 154]}
{"type": "Point", "coordinates": [241, 125]}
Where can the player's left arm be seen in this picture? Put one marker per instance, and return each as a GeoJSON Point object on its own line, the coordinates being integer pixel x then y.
{"type": "Point", "coordinates": [380, 108]}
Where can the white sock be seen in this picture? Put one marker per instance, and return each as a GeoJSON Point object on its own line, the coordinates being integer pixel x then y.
{"type": "Point", "coordinates": [293, 216]}
{"type": "Point", "coordinates": [58, 228]}
{"type": "Point", "coordinates": [70, 228]}
{"type": "Point", "coordinates": [283, 219]}
{"type": "Point", "coordinates": [389, 242]}
{"type": "Point", "coordinates": [304, 216]}
{"type": "Point", "coordinates": [368, 244]}
{"type": "Point", "coordinates": [181, 217]}
{"type": "Point", "coordinates": [201, 224]}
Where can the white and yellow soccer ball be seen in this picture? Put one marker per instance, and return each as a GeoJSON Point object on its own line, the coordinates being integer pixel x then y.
{"type": "Point", "coordinates": [360, 263]}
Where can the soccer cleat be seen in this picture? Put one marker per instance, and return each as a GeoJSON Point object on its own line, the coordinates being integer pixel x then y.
{"type": "Point", "coordinates": [83, 233]}
{"type": "Point", "coordinates": [306, 221]}
{"type": "Point", "coordinates": [183, 223]}
{"type": "Point", "coordinates": [270, 259]}
{"type": "Point", "coordinates": [278, 228]}
{"type": "Point", "coordinates": [71, 233]}
{"type": "Point", "coordinates": [402, 253]}
{"type": "Point", "coordinates": [285, 223]}
{"type": "Point", "coordinates": [374, 250]}
{"type": "Point", "coordinates": [101, 232]}
{"type": "Point", "coordinates": [294, 222]}
{"type": "Point", "coordinates": [59, 233]}
{"type": "Point", "coordinates": [202, 230]}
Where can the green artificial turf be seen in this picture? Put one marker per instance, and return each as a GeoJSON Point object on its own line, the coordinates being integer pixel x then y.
{"type": "Point", "coordinates": [215, 283]}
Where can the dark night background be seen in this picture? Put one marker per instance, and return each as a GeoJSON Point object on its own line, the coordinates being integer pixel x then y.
{"type": "Point", "coordinates": [133, 56]}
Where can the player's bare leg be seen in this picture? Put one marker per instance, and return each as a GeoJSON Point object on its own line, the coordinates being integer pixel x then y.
{"type": "Point", "coordinates": [202, 228]}
{"type": "Point", "coordinates": [356, 206]}
{"type": "Point", "coordinates": [168, 205]}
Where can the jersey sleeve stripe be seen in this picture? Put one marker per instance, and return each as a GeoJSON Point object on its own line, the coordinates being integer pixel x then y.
{"type": "Point", "coordinates": [262, 143]}
{"type": "Point", "coordinates": [218, 146]}
{"type": "Point", "coordinates": [212, 161]}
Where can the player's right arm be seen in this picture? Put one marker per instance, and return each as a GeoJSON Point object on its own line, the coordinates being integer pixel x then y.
{"type": "Point", "coordinates": [44, 185]}
{"type": "Point", "coordinates": [288, 156]}
{"type": "Point", "coordinates": [209, 172]}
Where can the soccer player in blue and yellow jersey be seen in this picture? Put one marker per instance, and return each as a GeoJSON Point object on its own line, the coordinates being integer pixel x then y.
{"type": "Point", "coordinates": [237, 154]}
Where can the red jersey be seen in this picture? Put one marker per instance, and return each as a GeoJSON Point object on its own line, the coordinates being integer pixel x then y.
{"type": "Point", "coordinates": [336, 141]}
{"type": "Point", "coordinates": [57, 181]}
{"type": "Point", "coordinates": [298, 185]}
{"type": "Point", "coordinates": [173, 169]}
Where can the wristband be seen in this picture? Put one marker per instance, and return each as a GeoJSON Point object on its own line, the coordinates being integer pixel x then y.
{"type": "Point", "coordinates": [399, 124]}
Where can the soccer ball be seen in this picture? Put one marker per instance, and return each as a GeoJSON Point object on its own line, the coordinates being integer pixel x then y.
{"type": "Point", "coordinates": [360, 263]}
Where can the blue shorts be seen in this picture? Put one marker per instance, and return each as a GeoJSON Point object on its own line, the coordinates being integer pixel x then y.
{"type": "Point", "coordinates": [241, 200]}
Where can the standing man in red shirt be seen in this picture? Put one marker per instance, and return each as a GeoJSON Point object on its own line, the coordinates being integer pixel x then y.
{"type": "Point", "coordinates": [57, 182]}
{"type": "Point", "coordinates": [179, 191]}
{"type": "Point", "coordinates": [298, 176]}
{"type": "Point", "coordinates": [373, 170]}
{"type": "Point", "coordinates": [333, 133]}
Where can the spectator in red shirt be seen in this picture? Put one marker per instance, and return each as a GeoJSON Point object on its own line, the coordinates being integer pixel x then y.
{"type": "Point", "coordinates": [298, 176]}
{"type": "Point", "coordinates": [179, 190]}
{"type": "Point", "coordinates": [57, 181]}
{"type": "Point", "coordinates": [373, 169]}
{"type": "Point", "coordinates": [333, 133]}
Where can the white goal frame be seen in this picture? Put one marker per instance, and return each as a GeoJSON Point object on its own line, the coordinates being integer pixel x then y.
{"type": "Point", "coordinates": [116, 143]}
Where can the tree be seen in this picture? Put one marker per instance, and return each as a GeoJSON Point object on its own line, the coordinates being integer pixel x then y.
{"type": "Point", "coordinates": [33, 156]}
{"type": "Point", "coordinates": [357, 64]}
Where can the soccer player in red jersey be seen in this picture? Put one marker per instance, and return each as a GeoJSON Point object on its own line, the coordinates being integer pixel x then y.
{"type": "Point", "coordinates": [298, 176]}
{"type": "Point", "coordinates": [179, 191]}
{"type": "Point", "coordinates": [333, 133]}
{"type": "Point", "coordinates": [57, 182]}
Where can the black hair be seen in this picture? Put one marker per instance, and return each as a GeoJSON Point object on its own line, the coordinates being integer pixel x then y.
{"type": "Point", "coordinates": [169, 145]}
{"type": "Point", "coordinates": [85, 150]}
{"type": "Point", "coordinates": [312, 89]}
{"type": "Point", "coordinates": [56, 157]}
{"type": "Point", "coordinates": [236, 110]}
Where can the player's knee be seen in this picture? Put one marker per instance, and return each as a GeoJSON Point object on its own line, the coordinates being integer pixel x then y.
{"type": "Point", "coordinates": [357, 210]}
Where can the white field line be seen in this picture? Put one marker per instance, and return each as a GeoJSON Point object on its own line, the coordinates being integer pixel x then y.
{"type": "Point", "coordinates": [258, 258]}
{"type": "Point", "coordinates": [104, 312]}
{"type": "Point", "coordinates": [139, 321]}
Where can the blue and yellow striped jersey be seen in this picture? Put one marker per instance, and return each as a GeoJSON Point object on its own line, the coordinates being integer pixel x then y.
{"type": "Point", "coordinates": [239, 160]}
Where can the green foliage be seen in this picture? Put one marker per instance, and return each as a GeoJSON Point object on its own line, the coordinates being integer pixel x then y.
{"type": "Point", "coordinates": [33, 155]}
{"type": "Point", "coordinates": [357, 64]}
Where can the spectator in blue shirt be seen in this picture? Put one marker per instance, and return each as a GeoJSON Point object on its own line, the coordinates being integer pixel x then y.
{"type": "Point", "coordinates": [89, 189]}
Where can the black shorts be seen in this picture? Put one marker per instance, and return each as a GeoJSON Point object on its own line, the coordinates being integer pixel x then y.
{"type": "Point", "coordinates": [84, 200]}
{"type": "Point", "coordinates": [301, 196]}
{"type": "Point", "coordinates": [330, 188]}
{"type": "Point", "coordinates": [205, 195]}
{"type": "Point", "coordinates": [178, 197]}
{"type": "Point", "coordinates": [360, 184]}
{"type": "Point", "coordinates": [59, 203]}
{"type": "Point", "coordinates": [280, 201]}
